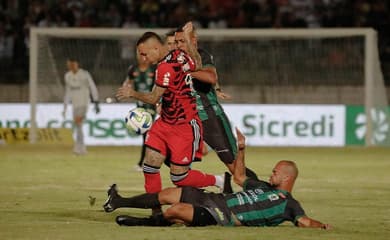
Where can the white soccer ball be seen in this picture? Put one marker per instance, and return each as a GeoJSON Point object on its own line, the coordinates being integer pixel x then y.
{"type": "Point", "coordinates": [138, 120]}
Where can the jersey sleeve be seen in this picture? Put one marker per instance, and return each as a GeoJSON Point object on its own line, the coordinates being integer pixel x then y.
{"type": "Point", "coordinates": [294, 210]}
{"type": "Point", "coordinates": [164, 75]}
{"type": "Point", "coordinates": [130, 72]}
{"type": "Point", "coordinates": [67, 93]}
{"type": "Point", "coordinates": [92, 88]}
{"type": "Point", "coordinates": [207, 58]}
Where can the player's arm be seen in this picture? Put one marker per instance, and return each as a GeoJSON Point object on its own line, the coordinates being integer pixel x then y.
{"type": "Point", "coordinates": [93, 89]}
{"type": "Point", "coordinates": [66, 98]}
{"type": "Point", "coordinates": [305, 221]}
{"type": "Point", "coordinates": [220, 93]}
{"type": "Point", "coordinates": [94, 92]}
{"type": "Point", "coordinates": [192, 51]}
{"type": "Point", "coordinates": [129, 81]}
{"type": "Point", "coordinates": [206, 74]}
{"type": "Point", "coordinates": [239, 164]}
{"type": "Point", "coordinates": [152, 97]}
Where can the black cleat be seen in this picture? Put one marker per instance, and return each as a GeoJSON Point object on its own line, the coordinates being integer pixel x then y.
{"type": "Point", "coordinates": [126, 220]}
{"type": "Point", "coordinates": [227, 185]}
{"type": "Point", "coordinates": [112, 194]}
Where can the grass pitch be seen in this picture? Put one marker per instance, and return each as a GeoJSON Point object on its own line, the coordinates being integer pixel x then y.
{"type": "Point", "coordinates": [45, 193]}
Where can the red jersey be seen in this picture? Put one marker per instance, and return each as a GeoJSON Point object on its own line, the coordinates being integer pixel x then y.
{"type": "Point", "coordinates": [178, 100]}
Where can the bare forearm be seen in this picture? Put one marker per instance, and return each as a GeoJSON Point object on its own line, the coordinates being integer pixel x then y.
{"type": "Point", "coordinates": [194, 54]}
{"type": "Point", "coordinates": [312, 223]}
{"type": "Point", "coordinates": [145, 97]}
{"type": "Point", "coordinates": [206, 75]}
{"type": "Point", "coordinates": [239, 168]}
{"type": "Point", "coordinates": [239, 164]}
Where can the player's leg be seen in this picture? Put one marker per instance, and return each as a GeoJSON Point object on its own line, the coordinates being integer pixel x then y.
{"type": "Point", "coordinates": [143, 150]}
{"type": "Point", "coordinates": [155, 220]}
{"type": "Point", "coordinates": [155, 155]}
{"type": "Point", "coordinates": [151, 169]}
{"type": "Point", "coordinates": [219, 136]}
{"type": "Point", "coordinates": [189, 214]}
{"type": "Point", "coordinates": [184, 176]}
{"type": "Point", "coordinates": [79, 113]}
{"type": "Point", "coordinates": [183, 143]}
{"type": "Point", "coordinates": [145, 200]}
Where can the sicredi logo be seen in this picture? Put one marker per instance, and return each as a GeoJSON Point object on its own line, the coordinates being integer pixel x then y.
{"type": "Point", "coordinates": [357, 126]}
{"type": "Point", "coordinates": [263, 125]}
{"type": "Point", "coordinates": [290, 125]}
{"type": "Point", "coordinates": [380, 127]}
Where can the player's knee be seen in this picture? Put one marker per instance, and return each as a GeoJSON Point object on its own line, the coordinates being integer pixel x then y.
{"type": "Point", "coordinates": [172, 211]}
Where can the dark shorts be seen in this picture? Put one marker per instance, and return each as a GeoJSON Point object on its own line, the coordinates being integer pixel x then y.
{"type": "Point", "coordinates": [214, 203]}
{"type": "Point", "coordinates": [217, 133]}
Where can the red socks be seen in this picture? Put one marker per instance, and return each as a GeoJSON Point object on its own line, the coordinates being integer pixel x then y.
{"type": "Point", "coordinates": [196, 179]}
{"type": "Point", "coordinates": [153, 182]}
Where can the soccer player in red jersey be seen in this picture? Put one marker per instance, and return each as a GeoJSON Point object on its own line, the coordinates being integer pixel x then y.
{"type": "Point", "coordinates": [177, 134]}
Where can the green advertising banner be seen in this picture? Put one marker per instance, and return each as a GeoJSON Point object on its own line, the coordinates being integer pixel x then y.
{"type": "Point", "coordinates": [356, 126]}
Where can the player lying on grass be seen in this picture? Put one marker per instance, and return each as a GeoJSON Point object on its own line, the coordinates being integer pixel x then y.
{"type": "Point", "coordinates": [259, 204]}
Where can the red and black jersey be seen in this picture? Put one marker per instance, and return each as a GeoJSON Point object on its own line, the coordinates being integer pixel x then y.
{"type": "Point", "coordinates": [179, 98]}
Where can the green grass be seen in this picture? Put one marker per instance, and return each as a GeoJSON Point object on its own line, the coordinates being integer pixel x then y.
{"type": "Point", "coordinates": [44, 193]}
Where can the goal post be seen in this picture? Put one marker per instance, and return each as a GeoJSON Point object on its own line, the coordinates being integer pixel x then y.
{"type": "Point", "coordinates": [273, 66]}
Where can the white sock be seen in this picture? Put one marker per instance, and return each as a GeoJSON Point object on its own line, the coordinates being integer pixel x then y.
{"type": "Point", "coordinates": [219, 181]}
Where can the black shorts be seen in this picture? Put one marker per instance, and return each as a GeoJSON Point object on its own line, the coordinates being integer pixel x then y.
{"type": "Point", "coordinates": [214, 203]}
{"type": "Point", "coordinates": [217, 133]}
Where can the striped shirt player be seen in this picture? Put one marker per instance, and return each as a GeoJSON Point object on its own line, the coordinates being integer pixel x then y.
{"type": "Point", "coordinates": [171, 134]}
{"type": "Point", "coordinates": [177, 134]}
{"type": "Point", "coordinates": [258, 204]}
{"type": "Point", "coordinates": [217, 131]}
{"type": "Point", "coordinates": [142, 81]}
{"type": "Point", "coordinates": [141, 77]}
{"type": "Point", "coordinates": [79, 89]}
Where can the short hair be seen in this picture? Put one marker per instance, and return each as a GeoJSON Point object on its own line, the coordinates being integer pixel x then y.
{"type": "Point", "coordinates": [291, 167]}
{"type": "Point", "coordinates": [72, 59]}
{"type": "Point", "coordinates": [170, 33]}
{"type": "Point", "coordinates": [148, 35]}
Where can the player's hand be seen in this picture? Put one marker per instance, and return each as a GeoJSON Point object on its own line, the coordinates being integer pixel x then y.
{"type": "Point", "coordinates": [97, 108]}
{"type": "Point", "coordinates": [240, 140]}
{"type": "Point", "coordinates": [158, 108]}
{"type": "Point", "coordinates": [326, 226]}
{"type": "Point", "coordinates": [124, 92]}
{"type": "Point", "coordinates": [223, 95]}
{"type": "Point", "coordinates": [188, 28]}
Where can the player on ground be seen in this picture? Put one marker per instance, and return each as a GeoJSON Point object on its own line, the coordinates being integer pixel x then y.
{"type": "Point", "coordinates": [259, 204]}
{"type": "Point", "coordinates": [79, 88]}
{"type": "Point", "coordinates": [140, 76]}
{"type": "Point", "coordinates": [177, 134]}
{"type": "Point", "coordinates": [217, 132]}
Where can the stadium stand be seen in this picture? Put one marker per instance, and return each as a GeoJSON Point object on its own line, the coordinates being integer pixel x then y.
{"type": "Point", "coordinates": [16, 17]}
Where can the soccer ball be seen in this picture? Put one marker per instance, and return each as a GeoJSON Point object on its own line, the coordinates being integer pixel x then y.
{"type": "Point", "coordinates": [138, 120]}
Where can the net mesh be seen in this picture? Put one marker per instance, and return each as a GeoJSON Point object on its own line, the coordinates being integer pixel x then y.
{"type": "Point", "coordinates": [302, 69]}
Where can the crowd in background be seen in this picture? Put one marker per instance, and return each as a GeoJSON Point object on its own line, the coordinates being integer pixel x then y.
{"type": "Point", "coordinates": [16, 18]}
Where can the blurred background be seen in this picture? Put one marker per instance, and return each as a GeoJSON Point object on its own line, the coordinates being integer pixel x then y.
{"type": "Point", "coordinates": [18, 16]}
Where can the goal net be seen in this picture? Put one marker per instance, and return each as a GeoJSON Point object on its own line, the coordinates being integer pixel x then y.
{"type": "Point", "coordinates": [302, 66]}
